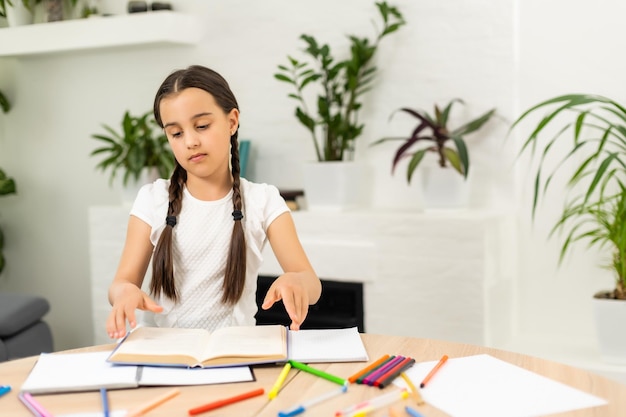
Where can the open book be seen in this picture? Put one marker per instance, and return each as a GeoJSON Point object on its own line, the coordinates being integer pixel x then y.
{"type": "Point", "coordinates": [239, 345]}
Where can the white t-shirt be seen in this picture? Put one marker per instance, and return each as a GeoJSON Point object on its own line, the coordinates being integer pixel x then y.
{"type": "Point", "coordinates": [201, 242]}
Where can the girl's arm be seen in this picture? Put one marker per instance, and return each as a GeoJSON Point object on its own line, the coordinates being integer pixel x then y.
{"type": "Point", "coordinates": [125, 294]}
{"type": "Point", "coordinates": [299, 286]}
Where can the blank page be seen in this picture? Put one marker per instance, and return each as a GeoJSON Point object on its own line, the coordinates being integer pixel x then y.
{"type": "Point", "coordinates": [327, 345]}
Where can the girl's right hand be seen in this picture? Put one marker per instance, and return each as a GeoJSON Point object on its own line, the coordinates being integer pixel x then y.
{"type": "Point", "coordinates": [128, 298]}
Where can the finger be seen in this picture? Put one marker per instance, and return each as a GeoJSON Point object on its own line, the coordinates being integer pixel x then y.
{"type": "Point", "coordinates": [291, 308]}
{"type": "Point", "coordinates": [130, 316]}
{"type": "Point", "coordinates": [150, 305]}
{"type": "Point", "coordinates": [270, 298]}
{"type": "Point", "coordinates": [110, 325]}
{"type": "Point", "coordinates": [120, 322]}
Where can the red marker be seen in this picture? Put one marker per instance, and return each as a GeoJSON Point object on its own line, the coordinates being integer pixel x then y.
{"type": "Point", "coordinates": [226, 401]}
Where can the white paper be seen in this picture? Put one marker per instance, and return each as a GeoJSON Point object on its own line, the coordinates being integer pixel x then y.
{"type": "Point", "coordinates": [77, 372]}
{"type": "Point", "coordinates": [152, 375]}
{"type": "Point", "coordinates": [327, 345]}
{"type": "Point", "coordinates": [484, 386]}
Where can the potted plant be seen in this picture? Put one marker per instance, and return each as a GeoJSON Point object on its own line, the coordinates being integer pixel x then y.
{"type": "Point", "coordinates": [590, 142]}
{"type": "Point", "coordinates": [7, 186]}
{"type": "Point", "coordinates": [5, 106]}
{"type": "Point", "coordinates": [433, 135]}
{"type": "Point", "coordinates": [332, 115]}
{"type": "Point", "coordinates": [139, 148]}
{"type": "Point", "coordinates": [18, 12]}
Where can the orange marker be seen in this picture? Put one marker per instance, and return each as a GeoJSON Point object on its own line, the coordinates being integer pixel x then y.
{"type": "Point", "coordinates": [226, 401]}
{"type": "Point", "coordinates": [443, 360]}
{"type": "Point", "coordinates": [368, 368]}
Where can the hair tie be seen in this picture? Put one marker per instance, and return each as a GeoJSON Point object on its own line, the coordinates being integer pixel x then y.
{"type": "Point", "coordinates": [237, 215]}
{"type": "Point", "coordinates": [170, 221]}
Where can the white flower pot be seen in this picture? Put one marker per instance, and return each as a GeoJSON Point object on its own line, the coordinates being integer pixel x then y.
{"type": "Point", "coordinates": [130, 190]}
{"type": "Point", "coordinates": [336, 185]}
{"type": "Point", "coordinates": [443, 188]}
{"type": "Point", "coordinates": [610, 316]}
{"type": "Point", "coordinates": [18, 14]}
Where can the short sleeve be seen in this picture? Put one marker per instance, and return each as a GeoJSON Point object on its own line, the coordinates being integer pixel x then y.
{"type": "Point", "coordinates": [150, 201]}
{"type": "Point", "coordinates": [274, 207]}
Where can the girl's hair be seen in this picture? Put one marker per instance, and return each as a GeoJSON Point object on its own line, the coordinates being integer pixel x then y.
{"type": "Point", "coordinates": [197, 76]}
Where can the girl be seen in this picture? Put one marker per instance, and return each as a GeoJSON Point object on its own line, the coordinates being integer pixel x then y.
{"type": "Point", "coordinates": [205, 227]}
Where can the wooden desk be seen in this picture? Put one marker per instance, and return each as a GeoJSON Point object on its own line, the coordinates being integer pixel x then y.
{"type": "Point", "coordinates": [301, 386]}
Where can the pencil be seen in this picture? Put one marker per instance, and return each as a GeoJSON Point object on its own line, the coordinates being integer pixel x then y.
{"type": "Point", "coordinates": [143, 409]}
{"type": "Point", "coordinates": [279, 382]}
{"type": "Point", "coordinates": [414, 391]}
{"type": "Point", "coordinates": [443, 360]}
{"type": "Point", "coordinates": [226, 401]}
{"type": "Point", "coordinates": [368, 368]}
{"type": "Point", "coordinates": [35, 405]}
{"type": "Point", "coordinates": [390, 376]}
{"type": "Point", "coordinates": [317, 372]}
{"type": "Point", "coordinates": [412, 412]}
{"type": "Point", "coordinates": [105, 401]}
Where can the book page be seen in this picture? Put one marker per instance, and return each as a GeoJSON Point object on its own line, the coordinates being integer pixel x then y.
{"type": "Point", "coordinates": [156, 341]}
{"type": "Point", "coordinates": [327, 345]}
{"type": "Point", "coordinates": [484, 386]}
{"type": "Point", "coordinates": [69, 372]}
{"type": "Point", "coordinates": [266, 341]}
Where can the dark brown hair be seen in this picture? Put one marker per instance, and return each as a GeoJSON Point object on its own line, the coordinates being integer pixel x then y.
{"type": "Point", "coordinates": [197, 76]}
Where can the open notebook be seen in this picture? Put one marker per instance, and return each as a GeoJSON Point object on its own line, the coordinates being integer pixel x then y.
{"type": "Point", "coordinates": [90, 371]}
{"type": "Point", "coordinates": [239, 345]}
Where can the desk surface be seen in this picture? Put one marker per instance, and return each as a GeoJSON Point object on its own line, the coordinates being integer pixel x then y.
{"type": "Point", "coordinates": [302, 385]}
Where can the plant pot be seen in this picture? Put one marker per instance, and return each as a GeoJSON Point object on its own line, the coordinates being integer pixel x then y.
{"type": "Point", "coordinates": [17, 14]}
{"type": "Point", "coordinates": [130, 190]}
{"type": "Point", "coordinates": [336, 185]}
{"type": "Point", "coordinates": [610, 316]}
{"type": "Point", "coordinates": [443, 188]}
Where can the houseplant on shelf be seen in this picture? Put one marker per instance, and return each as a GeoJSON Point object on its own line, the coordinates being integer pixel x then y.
{"type": "Point", "coordinates": [140, 152]}
{"type": "Point", "coordinates": [7, 186]}
{"type": "Point", "coordinates": [590, 151]}
{"type": "Point", "coordinates": [340, 84]}
{"type": "Point", "coordinates": [18, 12]}
{"type": "Point", "coordinates": [433, 135]}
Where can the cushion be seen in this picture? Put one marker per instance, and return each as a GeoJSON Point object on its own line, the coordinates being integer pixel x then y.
{"type": "Point", "coordinates": [18, 311]}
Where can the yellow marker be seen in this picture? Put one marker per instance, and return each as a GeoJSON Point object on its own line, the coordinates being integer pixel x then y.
{"type": "Point", "coordinates": [414, 391]}
{"type": "Point", "coordinates": [279, 382]}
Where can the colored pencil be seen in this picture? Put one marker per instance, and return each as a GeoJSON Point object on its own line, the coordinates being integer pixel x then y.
{"type": "Point", "coordinates": [154, 403]}
{"type": "Point", "coordinates": [418, 397]}
{"type": "Point", "coordinates": [279, 381]}
{"type": "Point", "coordinates": [369, 380]}
{"type": "Point", "coordinates": [368, 368]}
{"type": "Point", "coordinates": [105, 401]}
{"type": "Point", "coordinates": [443, 360]}
{"type": "Point", "coordinates": [226, 401]}
{"type": "Point", "coordinates": [390, 376]}
{"type": "Point", "coordinates": [317, 372]}
{"type": "Point", "coordinates": [412, 412]}
{"type": "Point", "coordinates": [360, 379]}
{"type": "Point", "coordinates": [299, 409]}
{"type": "Point", "coordinates": [361, 409]}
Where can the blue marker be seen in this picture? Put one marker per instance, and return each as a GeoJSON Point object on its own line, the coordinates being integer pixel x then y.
{"type": "Point", "coordinates": [413, 412]}
{"type": "Point", "coordinates": [4, 389]}
{"type": "Point", "coordinates": [299, 409]}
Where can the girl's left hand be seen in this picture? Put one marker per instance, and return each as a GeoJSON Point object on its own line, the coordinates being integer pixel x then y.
{"type": "Point", "coordinates": [289, 287]}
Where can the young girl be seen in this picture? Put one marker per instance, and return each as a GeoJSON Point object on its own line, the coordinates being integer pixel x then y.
{"type": "Point", "coordinates": [205, 227]}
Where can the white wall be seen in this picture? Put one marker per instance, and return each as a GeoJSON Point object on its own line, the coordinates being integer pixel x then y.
{"type": "Point", "coordinates": [505, 54]}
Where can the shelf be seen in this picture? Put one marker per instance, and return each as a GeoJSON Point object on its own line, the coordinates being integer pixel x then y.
{"type": "Point", "coordinates": [162, 27]}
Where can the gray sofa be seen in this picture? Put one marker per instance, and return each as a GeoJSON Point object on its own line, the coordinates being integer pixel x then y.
{"type": "Point", "coordinates": [22, 329]}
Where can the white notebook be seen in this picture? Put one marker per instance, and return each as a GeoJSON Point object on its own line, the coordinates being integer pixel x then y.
{"type": "Point", "coordinates": [73, 372]}
{"type": "Point", "coordinates": [327, 345]}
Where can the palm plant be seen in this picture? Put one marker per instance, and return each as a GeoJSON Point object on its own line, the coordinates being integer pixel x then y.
{"type": "Point", "coordinates": [140, 144]}
{"type": "Point", "coordinates": [601, 223]}
{"type": "Point", "coordinates": [334, 124]}
{"type": "Point", "coordinates": [5, 106]}
{"type": "Point", "coordinates": [7, 186]}
{"type": "Point", "coordinates": [432, 134]}
{"type": "Point", "coordinates": [594, 138]}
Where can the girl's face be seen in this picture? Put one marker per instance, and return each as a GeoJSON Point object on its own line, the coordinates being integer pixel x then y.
{"type": "Point", "coordinates": [199, 133]}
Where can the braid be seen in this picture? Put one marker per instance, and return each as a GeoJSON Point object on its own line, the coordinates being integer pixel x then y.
{"type": "Point", "coordinates": [235, 275]}
{"type": "Point", "coordinates": [162, 263]}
